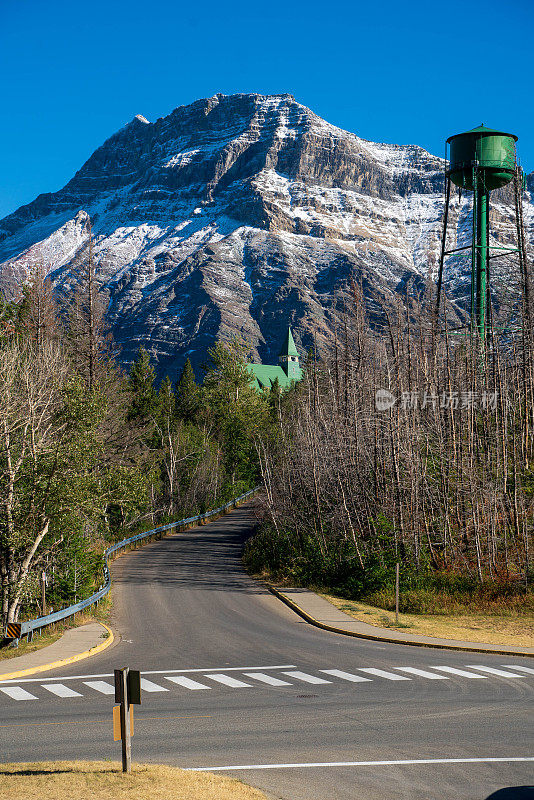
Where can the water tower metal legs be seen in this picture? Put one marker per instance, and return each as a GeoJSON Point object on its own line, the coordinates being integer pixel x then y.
{"type": "Point", "coordinates": [479, 257]}
{"type": "Point", "coordinates": [482, 264]}
{"type": "Point", "coordinates": [481, 316]}
{"type": "Point", "coordinates": [443, 243]}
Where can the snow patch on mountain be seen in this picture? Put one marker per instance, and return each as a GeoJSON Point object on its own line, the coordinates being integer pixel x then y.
{"type": "Point", "coordinates": [238, 215]}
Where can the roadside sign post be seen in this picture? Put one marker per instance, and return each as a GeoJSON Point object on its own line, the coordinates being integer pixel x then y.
{"type": "Point", "coordinates": [127, 693]}
{"type": "Point", "coordinates": [43, 592]}
{"type": "Point", "coordinates": [397, 588]}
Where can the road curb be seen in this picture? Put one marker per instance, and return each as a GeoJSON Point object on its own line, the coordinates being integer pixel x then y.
{"type": "Point", "coordinates": [378, 638]}
{"type": "Point", "coordinates": [64, 661]}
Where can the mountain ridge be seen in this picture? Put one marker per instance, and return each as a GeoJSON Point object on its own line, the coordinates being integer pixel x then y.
{"type": "Point", "coordinates": [240, 214]}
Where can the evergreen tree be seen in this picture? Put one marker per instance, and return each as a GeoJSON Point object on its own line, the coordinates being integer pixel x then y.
{"type": "Point", "coordinates": [236, 411]}
{"type": "Point", "coordinates": [226, 373]}
{"type": "Point", "coordinates": [143, 404]}
{"type": "Point", "coordinates": [166, 400]}
{"type": "Point", "coordinates": [37, 313]}
{"type": "Point", "coordinates": [9, 315]}
{"type": "Point", "coordinates": [187, 394]}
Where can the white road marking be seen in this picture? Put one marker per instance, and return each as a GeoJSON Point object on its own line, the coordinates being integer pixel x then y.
{"type": "Point", "coordinates": [228, 681]}
{"type": "Point", "coordinates": [346, 676]}
{"type": "Point", "coordinates": [261, 676]}
{"type": "Point", "coordinates": [461, 672]}
{"type": "Point", "coordinates": [17, 693]}
{"type": "Point", "coordinates": [303, 676]}
{"type": "Point", "coordinates": [528, 670]}
{"type": "Point", "coordinates": [404, 762]}
{"type": "Point", "coordinates": [381, 673]}
{"type": "Point", "coordinates": [187, 683]}
{"type": "Point", "coordinates": [13, 690]}
{"type": "Point", "coordinates": [149, 672]}
{"type": "Point", "coordinates": [492, 671]}
{"type": "Point", "coordinates": [60, 690]}
{"type": "Point", "coordinates": [216, 669]}
{"type": "Point", "coordinates": [148, 686]}
{"type": "Point", "coordinates": [101, 686]}
{"type": "Point", "coordinates": [422, 673]}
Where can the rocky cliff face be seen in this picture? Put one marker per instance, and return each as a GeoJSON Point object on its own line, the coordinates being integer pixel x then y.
{"type": "Point", "coordinates": [241, 214]}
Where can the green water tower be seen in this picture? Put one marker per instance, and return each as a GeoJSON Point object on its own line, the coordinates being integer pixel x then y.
{"type": "Point", "coordinates": [491, 152]}
{"type": "Point", "coordinates": [480, 160]}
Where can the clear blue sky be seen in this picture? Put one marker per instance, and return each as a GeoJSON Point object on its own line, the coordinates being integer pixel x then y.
{"type": "Point", "coordinates": [406, 72]}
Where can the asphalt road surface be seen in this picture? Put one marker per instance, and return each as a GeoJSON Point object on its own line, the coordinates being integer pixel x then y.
{"type": "Point", "coordinates": [234, 679]}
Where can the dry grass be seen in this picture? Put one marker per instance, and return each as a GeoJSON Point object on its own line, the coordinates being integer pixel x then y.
{"type": "Point", "coordinates": [24, 647]}
{"type": "Point", "coordinates": [103, 780]}
{"type": "Point", "coordinates": [506, 629]}
{"type": "Point", "coordinates": [54, 632]}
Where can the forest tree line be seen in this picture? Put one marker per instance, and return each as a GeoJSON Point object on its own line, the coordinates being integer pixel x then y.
{"type": "Point", "coordinates": [441, 480]}
{"type": "Point", "coordinates": [90, 454]}
{"type": "Point", "coordinates": [409, 444]}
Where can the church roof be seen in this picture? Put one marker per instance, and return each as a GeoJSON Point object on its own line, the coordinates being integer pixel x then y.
{"type": "Point", "coordinates": [266, 375]}
{"type": "Point", "coordinates": [288, 348]}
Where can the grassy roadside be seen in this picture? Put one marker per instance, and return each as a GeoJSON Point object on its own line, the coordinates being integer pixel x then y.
{"type": "Point", "coordinates": [506, 627]}
{"type": "Point", "coordinates": [54, 632]}
{"type": "Point", "coordinates": [103, 780]}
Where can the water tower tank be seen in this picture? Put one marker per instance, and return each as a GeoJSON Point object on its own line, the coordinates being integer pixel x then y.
{"type": "Point", "coordinates": [493, 152]}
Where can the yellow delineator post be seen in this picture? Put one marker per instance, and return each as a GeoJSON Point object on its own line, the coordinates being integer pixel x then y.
{"type": "Point", "coordinates": [13, 630]}
{"type": "Point", "coordinates": [117, 723]}
{"type": "Point", "coordinates": [127, 692]}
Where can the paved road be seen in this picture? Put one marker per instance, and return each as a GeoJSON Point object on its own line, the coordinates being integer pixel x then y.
{"type": "Point", "coordinates": [234, 678]}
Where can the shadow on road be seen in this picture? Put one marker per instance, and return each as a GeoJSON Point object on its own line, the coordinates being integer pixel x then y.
{"type": "Point", "coordinates": [513, 793]}
{"type": "Point", "coordinates": [203, 558]}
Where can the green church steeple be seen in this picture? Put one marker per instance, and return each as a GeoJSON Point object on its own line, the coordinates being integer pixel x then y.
{"type": "Point", "coordinates": [266, 376]}
{"type": "Point", "coordinates": [289, 358]}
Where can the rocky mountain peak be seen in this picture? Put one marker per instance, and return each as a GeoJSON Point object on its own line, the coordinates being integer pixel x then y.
{"type": "Point", "coordinates": [240, 214]}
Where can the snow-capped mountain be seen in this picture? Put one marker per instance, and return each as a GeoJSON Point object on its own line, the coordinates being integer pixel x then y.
{"type": "Point", "coordinates": [241, 214]}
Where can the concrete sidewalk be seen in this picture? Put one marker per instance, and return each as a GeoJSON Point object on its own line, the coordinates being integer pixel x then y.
{"type": "Point", "coordinates": [320, 612]}
{"type": "Point", "coordinates": [74, 645]}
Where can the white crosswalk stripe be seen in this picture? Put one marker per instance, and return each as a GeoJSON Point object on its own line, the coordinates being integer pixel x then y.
{"type": "Point", "coordinates": [187, 683]}
{"type": "Point", "coordinates": [382, 673]}
{"type": "Point", "coordinates": [492, 671]}
{"type": "Point", "coordinates": [101, 686]}
{"type": "Point", "coordinates": [422, 673]}
{"type": "Point", "coordinates": [16, 693]}
{"type": "Point", "coordinates": [521, 668]}
{"type": "Point", "coordinates": [461, 672]}
{"type": "Point", "coordinates": [60, 690]}
{"type": "Point", "coordinates": [260, 678]}
{"type": "Point", "coordinates": [264, 678]}
{"type": "Point", "coordinates": [148, 686]}
{"type": "Point", "coordinates": [228, 681]}
{"type": "Point", "coordinates": [303, 676]}
{"type": "Point", "coordinates": [346, 676]}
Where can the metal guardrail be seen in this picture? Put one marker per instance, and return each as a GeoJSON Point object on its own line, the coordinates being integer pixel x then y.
{"type": "Point", "coordinates": [31, 625]}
